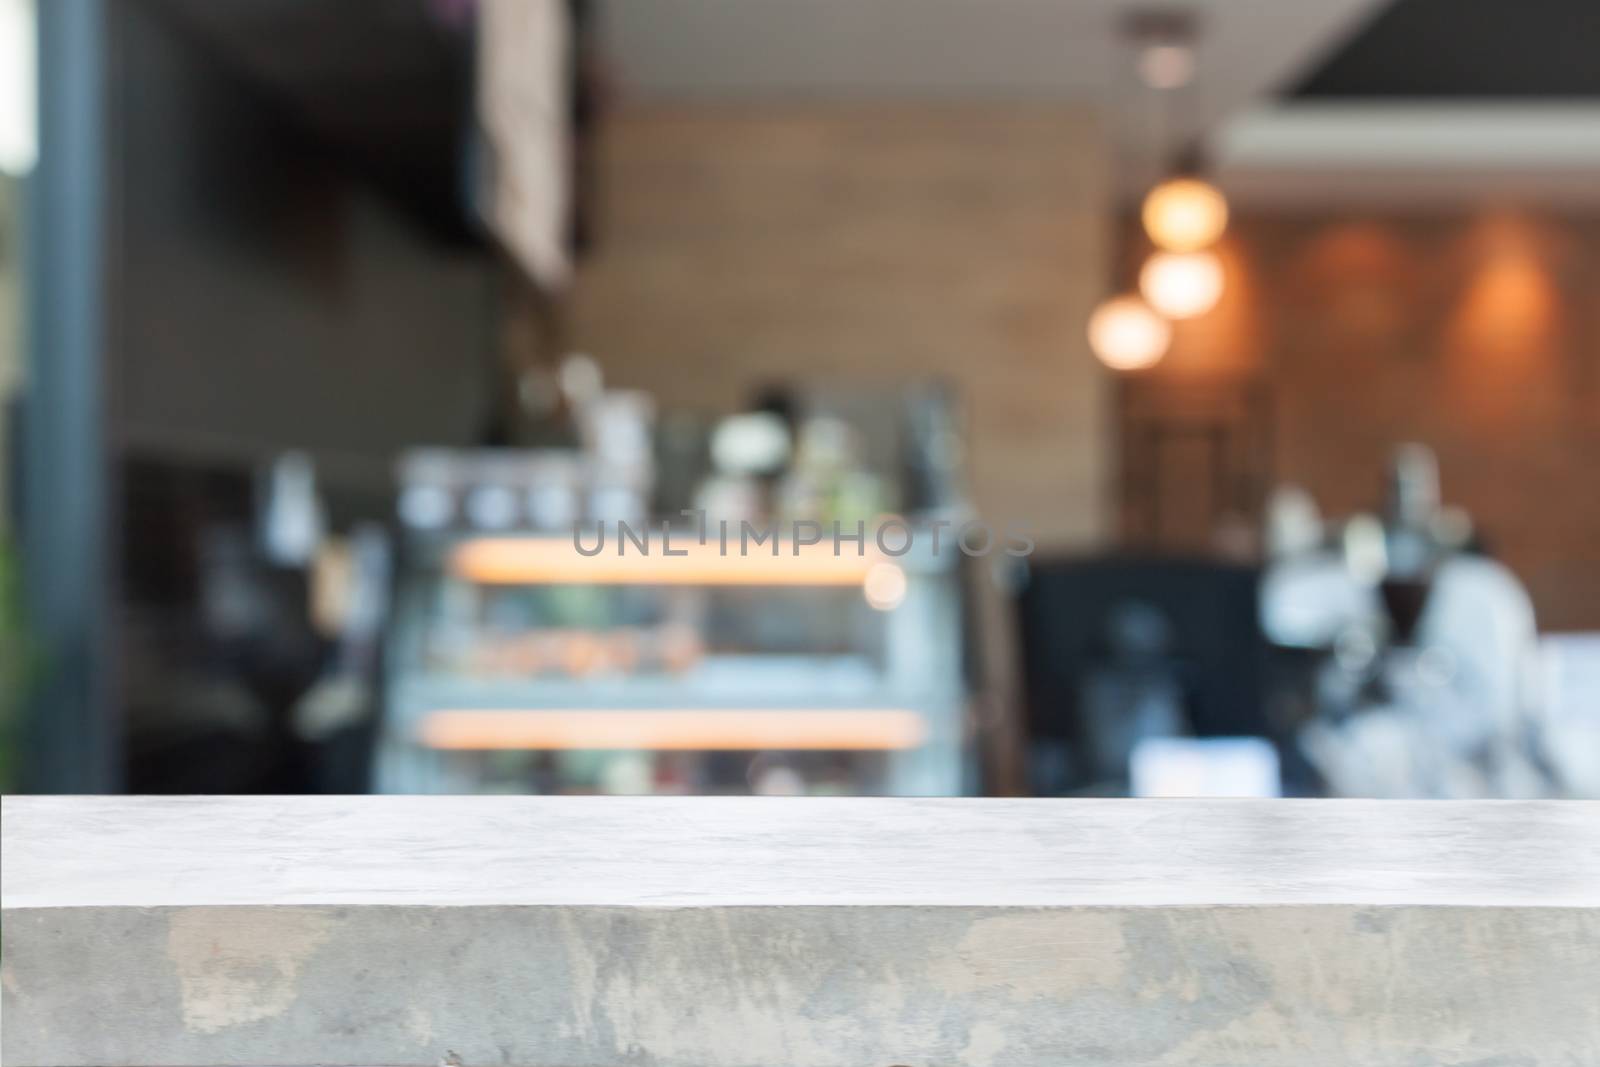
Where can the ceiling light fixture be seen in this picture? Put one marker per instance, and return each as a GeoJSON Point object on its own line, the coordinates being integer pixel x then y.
{"type": "Point", "coordinates": [1164, 39]}
{"type": "Point", "coordinates": [1185, 214]}
{"type": "Point", "coordinates": [1127, 335]}
{"type": "Point", "coordinates": [1166, 66]}
{"type": "Point", "coordinates": [1181, 285]}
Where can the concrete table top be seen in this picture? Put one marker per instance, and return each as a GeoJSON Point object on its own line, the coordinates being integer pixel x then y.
{"type": "Point", "coordinates": [733, 932]}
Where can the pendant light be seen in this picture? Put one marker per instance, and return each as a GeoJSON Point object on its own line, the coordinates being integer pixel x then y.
{"type": "Point", "coordinates": [1126, 334]}
{"type": "Point", "coordinates": [1181, 285]}
{"type": "Point", "coordinates": [1182, 213]}
{"type": "Point", "coordinates": [1185, 214]}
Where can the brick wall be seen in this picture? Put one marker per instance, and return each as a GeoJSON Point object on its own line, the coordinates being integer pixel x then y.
{"type": "Point", "coordinates": [741, 246]}
{"type": "Point", "coordinates": [1478, 334]}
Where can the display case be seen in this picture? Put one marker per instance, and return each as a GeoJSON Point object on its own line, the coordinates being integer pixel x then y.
{"type": "Point", "coordinates": [517, 663]}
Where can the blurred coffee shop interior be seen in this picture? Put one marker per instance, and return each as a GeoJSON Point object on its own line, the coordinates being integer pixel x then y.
{"type": "Point", "coordinates": [1246, 355]}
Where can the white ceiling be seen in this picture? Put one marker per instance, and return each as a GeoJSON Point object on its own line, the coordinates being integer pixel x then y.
{"type": "Point", "coordinates": [969, 49]}
{"type": "Point", "coordinates": [1417, 155]}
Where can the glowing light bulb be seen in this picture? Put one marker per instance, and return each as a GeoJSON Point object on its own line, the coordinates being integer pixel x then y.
{"type": "Point", "coordinates": [1181, 285]}
{"type": "Point", "coordinates": [1185, 214]}
{"type": "Point", "coordinates": [1127, 335]}
{"type": "Point", "coordinates": [885, 586]}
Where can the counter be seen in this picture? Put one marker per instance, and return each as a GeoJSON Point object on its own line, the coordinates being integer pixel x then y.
{"type": "Point", "coordinates": [750, 932]}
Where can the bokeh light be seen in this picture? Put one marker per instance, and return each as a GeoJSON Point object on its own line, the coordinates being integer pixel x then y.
{"type": "Point", "coordinates": [1181, 285]}
{"type": "Point", "coordinates": [1185, 214]}
{"type": "Point", "coordinates": [1127, 335]}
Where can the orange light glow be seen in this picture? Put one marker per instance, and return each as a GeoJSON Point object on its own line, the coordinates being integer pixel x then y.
{"type": "Point", "coordinates": [556, 561]}
{"type": "Point", "coordinates": [1510, 307]}
{"type": "Point", "coordinates": [1127, 335]}
{"type": "Point", "coordinates": [1185, 214]}
{"type": "Point", "coordinates": [1181, 285]}
{"type": "Point", "coordinates": [700, 731]}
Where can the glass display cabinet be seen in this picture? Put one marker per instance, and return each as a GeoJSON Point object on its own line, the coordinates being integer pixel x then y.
{"type": "Point", "coordinates": [518, 664]}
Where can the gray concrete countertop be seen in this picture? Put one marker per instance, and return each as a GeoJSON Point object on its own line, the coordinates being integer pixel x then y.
{"type": "Point", "coordinates": [724, 851]}
{"type": "Point", "coordinates": [610, 932]}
